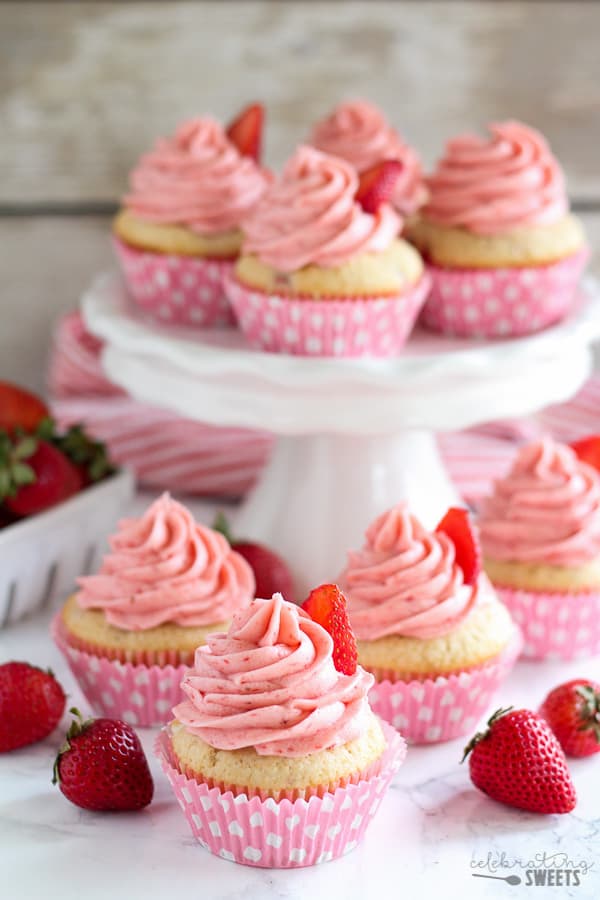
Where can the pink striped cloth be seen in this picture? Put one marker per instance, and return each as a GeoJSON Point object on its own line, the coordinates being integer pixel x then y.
{"type": "Point", "coordinates": [167, 451]}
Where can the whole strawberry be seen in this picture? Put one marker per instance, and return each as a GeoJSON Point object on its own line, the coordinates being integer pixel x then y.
{"type": "Point", "coordinates": [327, 606]}
{"type": "Point", "coordinates": [102, 766]}
{"type": "Point", "coordinates": [271, 572]}
{"type": "Point", "coordinates": [35, 475]}
{"type": "Point", "coordinates": [31, 705]}
{"type": "Point", "coordinates": [518, 761]}
{"type": "Point", "coordinates": [572, 710]}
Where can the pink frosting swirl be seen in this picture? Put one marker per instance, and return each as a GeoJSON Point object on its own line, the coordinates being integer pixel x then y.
{"type": "Point", "coordinates": [494, 185]}
{"type": "Point", "coordinates": [546, 510]}
{"type": "Point", "coordinates": [358, 132]}
{"type": "Point", "coordinates": [270, 683]}
{"type": "Point", "coordinates": [195, 178]}
{"type": "Point", "coordinates": [405, 581]}
{"type": "Point", "coordinates": [165, 567]}
{"type": "Point", "coordinates": [310, 216]}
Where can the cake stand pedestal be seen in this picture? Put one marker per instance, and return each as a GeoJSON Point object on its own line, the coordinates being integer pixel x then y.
{"type": "Point", "coordinates": [354, 436]}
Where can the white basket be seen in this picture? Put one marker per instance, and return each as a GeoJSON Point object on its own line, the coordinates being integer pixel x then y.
{"type": "Point", "coordinates": [41, 557]}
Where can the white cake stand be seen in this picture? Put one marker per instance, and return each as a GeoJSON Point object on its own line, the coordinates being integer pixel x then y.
{"type": "Point", "coordinates": [354, 436]}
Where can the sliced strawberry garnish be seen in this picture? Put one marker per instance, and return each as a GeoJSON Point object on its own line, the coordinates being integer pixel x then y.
{"type": "Point", "coordinates": [376, 185]}
{"type": "Point", "coordinates": [459, 528]}
{"type": "Point", "coordinates": [588, 450]}
{"type": "Point", "coordinates": [327, 606]}
{"type": "Point", "coordinates": [246, 131]}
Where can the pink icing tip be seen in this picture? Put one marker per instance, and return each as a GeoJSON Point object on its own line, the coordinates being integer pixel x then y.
{"type": "Point", "coordinates": [270, 683]}
{"type": "Point", "coordinates": [546, 510]}
{"type": "Point", "coordinates": [406, 581]}
{"type": "Point", "coordinates": [493, 185]}
{"type": "Point", "coordinates": [197, 178]}
{"type": "Point", "coordinates": [310, 216]}
{"type": "Point", "coordinates": [165, 567]}
{"type": "Point", "coordinates": [358, 132]}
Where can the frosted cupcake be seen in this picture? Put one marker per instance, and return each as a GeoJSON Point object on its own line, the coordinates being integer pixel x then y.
{"type": "Point", "coordinates": [319, 275]}
{"type": "Point", "coordinates": [428, 624]}
{"type": "Point", "coordinates": [358, 132]}
{"type": "Point", "coordinates": [131, 629]}
{"type": "Point", "coordinates": [273, 751]}
{"type": "Point", "coordinates": [178, 231]}
{"type": "Point", "coordinates": [540, 532]}
{"type": "Point", "coordinates": [505, 254]}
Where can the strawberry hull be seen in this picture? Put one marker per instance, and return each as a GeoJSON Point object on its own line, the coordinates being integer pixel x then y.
{"type": "Point", "coordinates": [281, 833]}
{"type": "Point", "coordinates": [440, 709]}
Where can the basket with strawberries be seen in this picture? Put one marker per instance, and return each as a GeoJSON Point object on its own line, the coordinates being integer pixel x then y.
{"type": "Point", "coordinates": [59, 497]}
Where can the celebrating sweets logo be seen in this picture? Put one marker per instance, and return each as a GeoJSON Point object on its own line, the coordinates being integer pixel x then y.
{"type": "Point", "coordinates": [542, 870]}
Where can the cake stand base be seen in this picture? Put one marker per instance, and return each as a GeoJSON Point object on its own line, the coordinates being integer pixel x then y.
{"type": "Point", "coordinates": [319, 492]}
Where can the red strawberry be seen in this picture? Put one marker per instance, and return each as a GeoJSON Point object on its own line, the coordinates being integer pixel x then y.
{"type": "Point", "coordinates": [20, 409]}
{"type": "Point", "coordinates": [246, 131]}
{"type": "Point", "coordinates": [327, 606]}
{"type": "Point", "coordinates": [35, 475]}
{"type": "Point", "coordinates": [518, 761]}
{"type": "Point", "coordinates": [572, 711]}
{"type": "Point", "coordinates": [271, 572]}
{"type": "Point", "coordinates": [459, 528]}
{"type": "Point", "coordinates": [102, 766]}
{"type": "Point", "coordinates": [31, 704]}
{"type": "Point", "coordinates": [588, 450]}
{"type": "Point", "coordinates": [376, 185]}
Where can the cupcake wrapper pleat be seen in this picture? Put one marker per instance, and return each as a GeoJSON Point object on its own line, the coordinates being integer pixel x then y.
{"type": "Point", "coordinates": [140, 694]}
{"type": "Point", "coordinates": [555, 625]}
{"type": "Point", "coordinates": [503, 302]}
{"type": "Point", "coordinates": [281, 834]}
{"type": "Point", "coordinates": [343, 327]}
{"type": "Point", "coordinates": [176, 290]}
{"type": "Point", "coordinates": [446, 707]}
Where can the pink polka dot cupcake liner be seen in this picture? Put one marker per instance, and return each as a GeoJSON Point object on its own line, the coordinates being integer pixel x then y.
{"type": "Point", "coordinates": [281, 834]}
{"type": "Point", "coordinates": [446, 707]}
{"type": "Point", "coordinates": [176, 290]}
{"type": "Point", "coordinates": [557, 626]}
{"type": "Point", "coordinates": [140, 694]}
{"type": "Point", "coordinates": [504, 302]}
{"type": "Point", "coordinates": [352, 327]}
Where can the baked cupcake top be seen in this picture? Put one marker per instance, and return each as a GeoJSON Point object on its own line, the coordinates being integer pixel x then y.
{"type": "Point", "coordinates": [358, 132]}
{"type": "Point", "coordinates": [196, 178]}
{"type": "Point", "coordinates": [165, 567]}
{"type": "Point", "coordinates": [406, 582]}
{"type": "Point", "coordinates": [546, 510]}
{"type": "Point", "coordinates": [494, 185]}
{"type": "Point", "coordinates": [310, 216]}
{"type": "Point", "coordinates": [270, 683]}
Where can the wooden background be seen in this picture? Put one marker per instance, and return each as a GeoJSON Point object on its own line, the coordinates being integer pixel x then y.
{"type": "Point", "coordinates": [86, 87]}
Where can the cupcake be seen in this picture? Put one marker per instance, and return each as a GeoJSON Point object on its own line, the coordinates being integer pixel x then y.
{"type": "Point", "coordinates": [540, 532]}
{"type": "Point", "coordinates": [178, 231]}
{"type": "Point", "coordinates": [131, 630]}
{"type": "Point", "coordinates": [358, 132]}
{"type": "Point", "coordinates": [428, 624]}
{"type": "Point", "coordinates": [318, 274]}
{"type": "Point", "coordinates": [275, 756]}
{"type": "Point", "coordinates": [505, 254]}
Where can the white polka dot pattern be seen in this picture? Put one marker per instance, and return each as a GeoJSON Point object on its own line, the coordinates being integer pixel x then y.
{"type": "Point", "coordinates": [429, 711]}
{"type": "Point", "coordinates": [177, 290]}
{"type": "Point", "coordinates": [375, 327]}
{"type": "Point", "coordinates": [501, 302]}
{"type": "Point", "coordinates": [557, 626]}
{"type": "Point", "coordinates": [281, 834]}
{"type": "Point", "coordinates": [139, 694]}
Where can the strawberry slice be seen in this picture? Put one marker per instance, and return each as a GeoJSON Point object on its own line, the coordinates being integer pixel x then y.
{"type": "Point", "coordinates": [246, 131]}
{"type": "Point", "coordinates": [327, 606]}
{"type": "Point", "coordinates": [458, 526]}
{"type": "Point", "coordinates": [588, 450]}
{"type": "Point", "coordinates": [376, 185]}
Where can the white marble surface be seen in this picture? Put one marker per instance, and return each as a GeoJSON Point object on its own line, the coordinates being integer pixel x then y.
{"type": "Point", "coordinates": [432, 830]}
